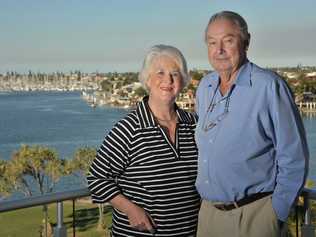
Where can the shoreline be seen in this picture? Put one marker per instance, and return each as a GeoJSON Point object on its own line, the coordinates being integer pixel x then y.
{"type": "Point", "coordinates": [95, 101]}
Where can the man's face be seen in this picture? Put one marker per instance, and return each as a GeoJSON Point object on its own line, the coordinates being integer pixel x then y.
{"type": "Point", "coordinates": [226, 49]}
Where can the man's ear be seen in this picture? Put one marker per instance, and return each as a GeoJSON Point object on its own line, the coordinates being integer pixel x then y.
{"type": "Point", "coordinates": [247, 42]}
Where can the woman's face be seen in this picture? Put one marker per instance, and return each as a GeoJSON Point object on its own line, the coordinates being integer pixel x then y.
{"type": "Point", "coordinates": [165, 80]}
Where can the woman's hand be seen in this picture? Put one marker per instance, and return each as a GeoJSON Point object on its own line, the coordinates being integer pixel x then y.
{"type": "Point", "coordinates": [139, 219]}
{"type": "Point", "coordinates": [137, 216]}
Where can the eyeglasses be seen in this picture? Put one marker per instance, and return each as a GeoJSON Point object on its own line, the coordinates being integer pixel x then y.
{"type": "Point", "coordinates": [220, 117]}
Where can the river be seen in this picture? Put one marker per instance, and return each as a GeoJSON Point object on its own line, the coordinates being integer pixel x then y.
{"type": "Point", "coordinates": [65, 122]}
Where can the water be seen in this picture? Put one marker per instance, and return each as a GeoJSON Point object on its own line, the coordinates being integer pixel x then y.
{"type": "Point", "coordinates": [59, 120]}
{"type": "Point", "coordinates": [63, 121]}
{"type": "Point", "coordinates": [310, 127]}
{"type": "Point", "coordinates": [56, 119]}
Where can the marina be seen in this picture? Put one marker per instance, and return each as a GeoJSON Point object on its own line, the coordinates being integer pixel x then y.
{"type": "Point", "coordinates": [307, 107]}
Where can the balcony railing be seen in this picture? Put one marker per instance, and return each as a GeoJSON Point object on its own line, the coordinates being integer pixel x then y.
{"type": "Point", "coordinates": [60, 229]}
{"type": "Point", "coordinates": [307, 229]}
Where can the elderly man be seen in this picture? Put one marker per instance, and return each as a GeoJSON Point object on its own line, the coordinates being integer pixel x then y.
{"type": "Point", "coordinates": [253, 154]}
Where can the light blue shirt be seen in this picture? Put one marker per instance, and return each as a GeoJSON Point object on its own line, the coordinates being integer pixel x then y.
{"type": "Point", "coordinates": [259, 145]}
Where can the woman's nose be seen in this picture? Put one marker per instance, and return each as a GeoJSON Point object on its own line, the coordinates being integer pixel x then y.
{"type": "Point", "coordinates": [168, 78]}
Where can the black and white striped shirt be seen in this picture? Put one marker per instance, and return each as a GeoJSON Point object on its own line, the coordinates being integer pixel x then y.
{"type": "Point", "coordinates": [138, 160]}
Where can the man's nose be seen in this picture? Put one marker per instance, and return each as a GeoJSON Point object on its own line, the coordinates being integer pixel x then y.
{"type": "Point", "coordinates": [219, 48]}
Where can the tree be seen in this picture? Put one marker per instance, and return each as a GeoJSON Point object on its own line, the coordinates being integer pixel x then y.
{"type": "Point", "coordinates": [140, 92]}
{"type": "Point", "coordinates": [196, 75]}
{"type": "Point", "coordinates": [5, 187]}
{"type": "Point", "coordinates": [81, 161]}
{"type": "Point", "coordinates": [106, 85]}
{"type": "Point", "coordinates": [192, 88]}
{"type": "Point", "coordinates": [79, 165]}
{"type": "Point", "coordinates": [34, 164]}
{"type": "Point", "coordinates": [31, 165]}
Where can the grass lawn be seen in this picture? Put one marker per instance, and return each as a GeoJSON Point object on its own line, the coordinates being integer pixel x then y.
{"type": "Point", "coordinates": [27, 222]}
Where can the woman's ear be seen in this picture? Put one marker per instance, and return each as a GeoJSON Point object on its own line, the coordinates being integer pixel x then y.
{"type": "Point", "coordinates": [147, 84]}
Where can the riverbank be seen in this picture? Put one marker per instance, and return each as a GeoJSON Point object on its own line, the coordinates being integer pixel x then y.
{"type": "Point", "coordinates": [185, 101]}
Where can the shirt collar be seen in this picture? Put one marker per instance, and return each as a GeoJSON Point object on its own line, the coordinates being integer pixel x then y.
{"type": "Point", "coordinates": [146, 118]}
{"type": "Point", "coordinates": [243, 77]}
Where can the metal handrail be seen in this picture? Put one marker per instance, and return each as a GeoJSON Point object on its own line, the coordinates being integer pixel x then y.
{"type": "Point", "coordinates": [307, 228]}
{"type": "Point", "coordinates": [78, 193]}
{"type": "Point", "coordinates": [60, 229]}
{"type": "Point", "coordinates": [44, 199]}
{"type": "Point", "coordinates": [309, 193]}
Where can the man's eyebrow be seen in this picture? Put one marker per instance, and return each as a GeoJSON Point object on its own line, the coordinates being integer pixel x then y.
{"type": "Point", "coordinates": [228, 35]}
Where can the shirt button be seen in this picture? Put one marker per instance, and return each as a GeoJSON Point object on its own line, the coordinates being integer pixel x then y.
{"type": "Point", "coordinates": [204, 161]}
{"type": "Point", "coordinates": [206, 181]}
{"type": "Point", "coordinates": [211, 140]}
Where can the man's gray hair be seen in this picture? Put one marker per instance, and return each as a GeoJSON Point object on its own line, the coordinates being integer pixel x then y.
{"type": "Point", "coordinates": [237, 19]}
{"type": "Point", "coordinates": [159, 51]}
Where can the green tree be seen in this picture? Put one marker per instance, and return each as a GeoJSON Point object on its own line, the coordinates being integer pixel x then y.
{"type": "Point", "coordinates": [196, 75]}
{"type": "Point", "coordinates": [140, 92]}
{"type": "Point", "coordinates": [31, 165]}
{"type": "Point", "coordinates": [106, 85]}
{"type": "Point", "coordinates": [192, 87]}
{"type": "Point", "coordinates": [34, 164]}
{"type": "Point", "coordinates": [5, 187]}
{"type": "Point", "coordinates": [81, 161]}
{"type": "Point", "coordinates": [79, 165]}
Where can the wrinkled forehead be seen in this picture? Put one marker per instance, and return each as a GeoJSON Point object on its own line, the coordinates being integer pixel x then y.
{"type": "Point", "coordinates": [163, 61]}
{"type": "Point", "coordinates": [222, 27]}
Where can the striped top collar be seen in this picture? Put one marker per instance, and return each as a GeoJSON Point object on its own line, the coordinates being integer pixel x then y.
{"type": "Point", "coordinates": [146, 118]}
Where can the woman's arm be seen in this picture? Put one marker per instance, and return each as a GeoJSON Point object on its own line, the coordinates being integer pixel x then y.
{"type": "Point", "coordinates": [110, 162]}
{"type": "Point", "coordinates": [137, 216]}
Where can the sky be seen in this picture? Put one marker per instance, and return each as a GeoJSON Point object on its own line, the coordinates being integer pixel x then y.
{"type": "Point", "coordinates": [114, 35]}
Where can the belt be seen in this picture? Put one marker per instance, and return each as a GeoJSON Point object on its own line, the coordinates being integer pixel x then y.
{"type": "Point", "coordinates": [244, 201]}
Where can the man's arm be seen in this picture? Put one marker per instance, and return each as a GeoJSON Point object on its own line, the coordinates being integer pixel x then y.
{"type": "Point", "coordinates": [290, 146]}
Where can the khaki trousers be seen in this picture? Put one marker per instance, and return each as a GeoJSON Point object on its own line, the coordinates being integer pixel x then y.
{"type": "Point", "coordinates": [256, 219]}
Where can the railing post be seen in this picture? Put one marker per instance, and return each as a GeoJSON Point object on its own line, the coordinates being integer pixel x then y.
{"type": "Point", "coordinates": [60, 230]}
{"type": "Point", "coordinates": [46, 220]}
{"type": "Point", "coordinates": [307, 230]}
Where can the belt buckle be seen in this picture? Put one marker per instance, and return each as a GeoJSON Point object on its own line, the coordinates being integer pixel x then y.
{"type": "Point", "coordinates": [225, 206]}
{"type": "Point", "coordinates": [221, 207]}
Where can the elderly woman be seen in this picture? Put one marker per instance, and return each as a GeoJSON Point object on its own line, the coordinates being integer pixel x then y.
{"type": "Point", "coordinates": [147, 165]}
